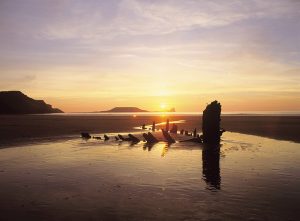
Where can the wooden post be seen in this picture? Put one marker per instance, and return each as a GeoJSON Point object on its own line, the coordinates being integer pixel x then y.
{"type": "Point", "coordinates": [167, 125]}
{"type": "Point", "coordinates": [153, 126]}
{"type": "Point", "coordinates": [211, 123]}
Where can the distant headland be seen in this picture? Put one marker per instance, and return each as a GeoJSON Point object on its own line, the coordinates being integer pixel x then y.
{"type": "Point", "coordinates": [15, 102]}
{"type": "Point", "coordinates": [123, 109]}
{"type": "Point", "coordinates": [130, 109]}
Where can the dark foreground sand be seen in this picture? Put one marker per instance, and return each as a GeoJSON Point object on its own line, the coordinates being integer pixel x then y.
{"type": "Point", "coordinates": [30, 128]}
{"type": "Point", "coordinates": [251, 178]}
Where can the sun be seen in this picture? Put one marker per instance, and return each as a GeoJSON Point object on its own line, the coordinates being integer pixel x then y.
{"type": "Point", "coordinates": [163, 106]}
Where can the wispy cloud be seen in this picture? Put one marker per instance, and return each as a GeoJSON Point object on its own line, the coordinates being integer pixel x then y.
{"type": "Point", "coordinates": [121, 47]}
{"type": "Point", "coordinates": [92, 19]}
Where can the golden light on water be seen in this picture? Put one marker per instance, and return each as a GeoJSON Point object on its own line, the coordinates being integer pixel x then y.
{"type": "Point", "coordinates": [164, 149]}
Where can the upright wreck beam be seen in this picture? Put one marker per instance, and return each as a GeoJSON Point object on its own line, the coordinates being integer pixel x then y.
{"type": "Point", "coordinates": [167, 125]}
{"type": "Point", "coordinates": [211, 123]}
{"type": "Point", "coordinates": [153, 126]}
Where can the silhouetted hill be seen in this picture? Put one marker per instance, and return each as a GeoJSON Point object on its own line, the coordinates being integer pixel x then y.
{"type": "Point", "coordinates": [125, 109]}
{"type": "Point", "coordinates": [15, 102]}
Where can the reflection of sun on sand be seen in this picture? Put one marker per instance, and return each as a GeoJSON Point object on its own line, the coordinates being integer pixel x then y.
{"type": "Point", "coordinates": [78, 178]}
{"type": "Point", "coordinates": [149, 126]}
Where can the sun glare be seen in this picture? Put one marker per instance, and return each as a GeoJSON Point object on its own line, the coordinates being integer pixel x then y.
{"type": "Point", "coordinates": [163, 106]}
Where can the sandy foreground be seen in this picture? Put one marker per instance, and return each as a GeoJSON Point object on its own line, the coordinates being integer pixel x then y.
{"type": "Point", "coordinates": [252, 178]}
{"type": "Point", "coordinates": [50, 173]}
{"type": "Point", "coordinates": [30, 128]}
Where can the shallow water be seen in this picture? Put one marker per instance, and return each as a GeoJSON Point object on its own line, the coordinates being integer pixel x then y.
{"type": "Point", "coordinates": [251, 178]}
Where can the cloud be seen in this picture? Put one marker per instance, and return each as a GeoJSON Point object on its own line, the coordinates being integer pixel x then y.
{"type": "Point", "coordinates": [132, 17]}
{"type": "Point", "coordinates": [121, 47]}
{"type": "Point", "coordinates": [16, 82]}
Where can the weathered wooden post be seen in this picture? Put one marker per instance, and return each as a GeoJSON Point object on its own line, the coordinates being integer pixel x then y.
{"type": "Point", "coordinates": [153, 126]}
{"type": "Point", "coordinates": [174, 129]}
{"type": "Point", "coordinates": [195, 132]}
{"type": "Point", "coordinates": [211, 123]}
{"type": "Point", "coordinates": [167, 125]}
{"type": "Point", "coordinates": [106, 137]}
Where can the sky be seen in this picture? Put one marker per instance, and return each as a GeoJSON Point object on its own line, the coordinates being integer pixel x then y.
{"type": "Point", "coordinates": [94, 55]}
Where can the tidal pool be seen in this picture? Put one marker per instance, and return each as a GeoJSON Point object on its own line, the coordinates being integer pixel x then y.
{"type": "Point", "coordinates": [250, 178]}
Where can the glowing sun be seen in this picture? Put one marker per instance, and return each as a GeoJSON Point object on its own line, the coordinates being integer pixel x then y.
{"type": "Point", "coordinates": [163, 106]}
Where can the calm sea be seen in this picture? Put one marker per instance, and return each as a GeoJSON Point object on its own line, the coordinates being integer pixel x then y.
{"type": "Point", "coordinates": [244, 113]}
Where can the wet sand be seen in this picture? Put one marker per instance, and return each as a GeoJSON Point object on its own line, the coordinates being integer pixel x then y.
{"type": "Point", "coordinates": [33, 128]}
{"type": "Point", "coordinates": [252, 178]}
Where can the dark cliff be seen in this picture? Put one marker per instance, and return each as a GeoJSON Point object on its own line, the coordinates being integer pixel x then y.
{"type": "Point", "coordinates": [15, 102]}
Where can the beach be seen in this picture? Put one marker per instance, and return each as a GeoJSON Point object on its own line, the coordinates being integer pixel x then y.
{"type": "Point", "coordinates": [18, 129]}
{"type": "Point", "coordinates": [49, 173]}
{"type": "Point", "coordinates": [139, 110]}
{"type": "Point", "coordinates": [251, 178]}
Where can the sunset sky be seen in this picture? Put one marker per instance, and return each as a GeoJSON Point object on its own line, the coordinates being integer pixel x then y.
{"type": "Point", "coordinates": [94, 55]}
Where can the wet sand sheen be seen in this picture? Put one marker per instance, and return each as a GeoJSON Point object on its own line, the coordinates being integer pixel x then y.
{"type": "Point", "coordinates": [251, 178]}
{"type": "Point", "coordinates": [29, 128]}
